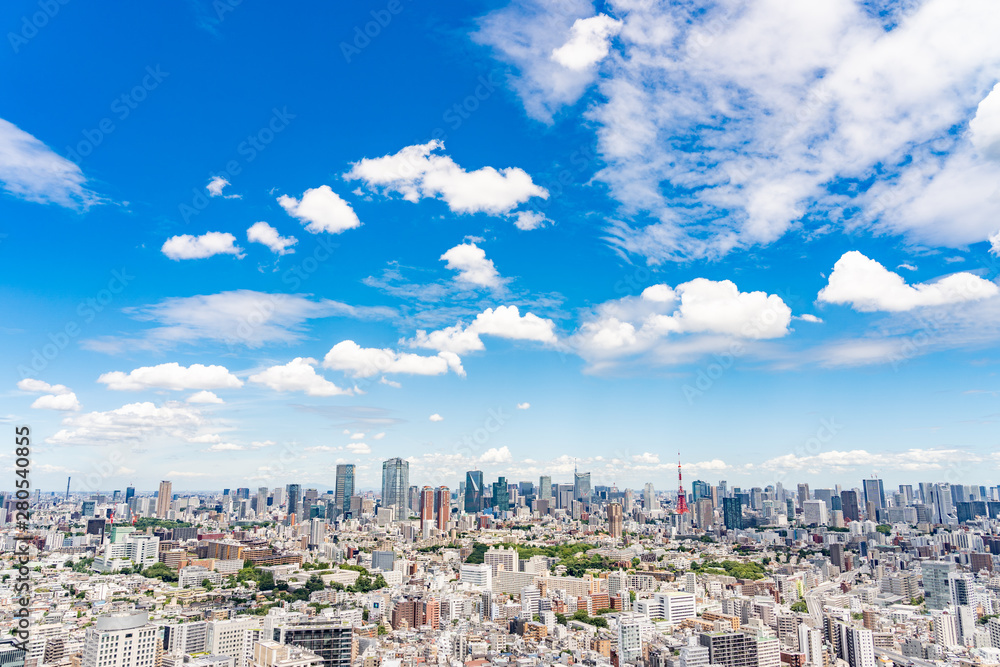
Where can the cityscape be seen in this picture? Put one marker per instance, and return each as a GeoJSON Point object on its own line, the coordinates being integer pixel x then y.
{"type": "Point", "coordinates": [500, 333]}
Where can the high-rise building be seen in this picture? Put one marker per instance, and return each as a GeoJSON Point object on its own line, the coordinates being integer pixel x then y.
{"type": "Point", "coordinates": [426, 507]}
{"type": "Point", "coordinates": [649, 498]}
{"type": "Point", "coordinates": [122, 641]}
{"type": "Point", "coordinates": [874, 493]}
{"type": "Point", "coordinates": [732, 649]}
{"type": "Point", "coordinates": [699, 490]}
{"type": "Point", "coordinates": [581, 486]}
{"type": "Point", "coordinates": [849, 503]}
{"type": "Point", "coordinates": [616, 520]}
{"type": "Point", "coordinates": [857, 646]}
{"type": "Point", "coordinates": [163, 499]}
{"type": "Point", "coordinates": [396, 485]}
{"type": "Point", "coordinates": [474, 491]}
{"type": "Point", "coordinates": [442, 507]}
{"type": "Point", "coordinates": [294, 500]}
{"type": "Point", "coordinates": [803, 493]}
{"type": "Point", "coordinates": [545, 488]}
{"type": "Point", "coordinates": [501, 495]}
{"type": "Point", "coordinates": [261, 501]}
{"type": "Point", "coordinates": [732, 513]}
{"type": "Point", "coordinates": [129, 493]}
{"type": "Point", "coordinates": [814, 513]}
{"type": "Point", "coordinates": [937, 589]}
{"type": "Point", "coordinates": [344, 489]}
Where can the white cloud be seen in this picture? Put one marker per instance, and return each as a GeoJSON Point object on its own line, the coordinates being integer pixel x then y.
{"type": "Point", "coordinates": [322, 209]}
{"type": "Point", "coordinates": [472, 266]}
{"type": "Point", "coordinates": [809, 318]}
{"type": "Point", "coordinates": [215, 187]}
{"type": "Point", "coordinates": [261, 232]}
{"type": "Point", "coordinates": [133, 422]}
{"type": "Point", "coordinates": [415, 172]}
{"type": "Point", "coordinates": [357, 436]}
{"type": "Point", "coordinates": [172, 376]}
{"type": "Point", "coordinates": [678, 324]}
{"type": "Point", "coordinates": [240, 317]}
{"type": "Point", "coordinates": [298, 374]}
{"type": "Point", "coordinates": [995, 244]}
{"type": "Point", "coordinates": [57, 396]}
{"type": "Point", "coordinates": [30, 170]}
{"type": "Point", "coordinates": [589, 42]}
{"type": "Point", "coordinates": [226, 447]}
{"type": "Point", "coordinates": [358, 448]}
{"type": "Point", "coordinates": [725, 125]}
{"type": "Point", "coordinates": [33, 386]}
{"type": "Point", "coordinates": [204, 397]}
{"type": "Point", "coordinates": [647, 457]}
{"type": "Point", "coordinates": [984, 128]}
{"type": "Point", "coordinates": [502, 322]}
{"type": "Point", "coordinates": [436, 418]}
{"type": "Point", "coordinates": [186, 473]}
{"type": "Point", "coordinates": [363, 362]}
{"type": "Point", "coordinates": [378, 436]}
{"type": "Point", "coordinates": [907, 266]}
{"type": "Point", "coordinates": [523, 406]}
{"type": "Point", "coordinates": [496, 455]}
{"type": "Point", "coordinates": [207, 245]}
{"type": "Point", "coordinates": [529, 220]}
{"type": "Point", "coordinates": [868, 286]}
{"type": "Point", "coordinates": [63, 402]}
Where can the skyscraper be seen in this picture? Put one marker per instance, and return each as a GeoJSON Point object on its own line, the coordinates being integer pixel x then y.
{"type": "Point", "coordinates": [294, 493]}
{"type": "Point", "coordinates": [732, 513]}
{"type": "Point", "coordinates": [616, 520]}
{"type": "Point", "coordinates": [129, 493]}
{"type": "Point", "coordinates": [474, 491]}
{"type": "Point", "coordinates": [545, 488]}
{"type": "Point", "coordinates": [874, 493]}
{"type": "Point", "coordinates": [501, 495]}
{"type": "Point", "coordinates": [163, 499]}
{"type": "Point", "coordinates": [442, 507]}
{"type": "Point", "coordinates": [581, 486]}
{"type": "Point", "coordinates": [396, 485]}
{"type": "Point", "coordinates": [803, 493]}
{"type": "Point", "coordinates": [849, 503]}
{"type": "Point", "coordinates": [344, 489]}
{"type": "Point", "coordinates": [649, 498]}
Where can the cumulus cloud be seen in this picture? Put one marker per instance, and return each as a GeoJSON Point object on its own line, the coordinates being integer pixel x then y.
{"type": "Point", "coordinates": [363, 362]}
{"type": "Point", "coordinates": [61, 402]}
{"type": "Point", "coordinates": [358, 448]}
{"type": "Point", "coordinates": [299, 374]}
{"type": "Point", "coordinates": [502, 322]}
{"type": "Point", "coordinates": [589, 42]}
{"type": "Point", "coordinates": [472, 266]}
{"type": "Point", "coordinates": [237, 318]}
{"type": "Point", "coordinates": [207, 245]}
{"type": "Point", "coordinates": [984, 128]}
{"type": "Point", "coordinates": [32, 171]}
{"type": "Point", "coordinates": [215, 187]}
{"type": "Point", "coordinates": [261, 232]}
{"type": "Point", "coordinates": [204, 397]}
{"type": "Point", "coordinates": [496, 455]}
{"type": "Point", "coordinates": [867, 286]}
{"type": "Point", "coordinates": [678, 324]}
{"type": "Point", "coordinates": [57, 396]}
{"type": "Point", "coordinates": [529, 220]}
{"type": "Point", "coordinates": [436, 418]}
{"type": "Point", "coordinates": [322, 210]}
{"type": "Point", "coordinates": [523, 406]}
{"type": "Point", "coordinates": [133, 422]}
{"type": "Point", "coordinates": [172, 376]}
{"type": "Point", "coordinates": [417, 172]}
{"type": "Point", "coordinates": [806, 317]}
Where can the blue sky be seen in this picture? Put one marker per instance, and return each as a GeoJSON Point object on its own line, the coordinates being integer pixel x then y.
{"type": "Point", "coordinates": [240, 246]}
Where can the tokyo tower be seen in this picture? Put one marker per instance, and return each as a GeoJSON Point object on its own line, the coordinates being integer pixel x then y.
{"type": "Point", "coordinates": [682, 504]}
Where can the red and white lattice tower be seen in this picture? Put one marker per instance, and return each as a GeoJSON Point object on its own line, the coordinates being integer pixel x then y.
{"type": "Point", "coordinates": [682, 503]}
